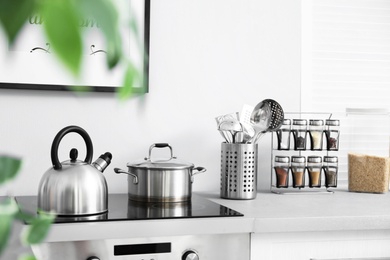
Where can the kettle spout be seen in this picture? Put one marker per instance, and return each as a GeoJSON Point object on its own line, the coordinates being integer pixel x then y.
{"type": "Point", "coordinates": [102, 162]}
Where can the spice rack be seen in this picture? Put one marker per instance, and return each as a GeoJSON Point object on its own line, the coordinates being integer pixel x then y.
{"type": "Point", "coordinates": [303, 153]}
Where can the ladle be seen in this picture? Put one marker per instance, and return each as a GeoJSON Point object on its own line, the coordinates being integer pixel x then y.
{"type": "Point", "coordinates": [267, 116]}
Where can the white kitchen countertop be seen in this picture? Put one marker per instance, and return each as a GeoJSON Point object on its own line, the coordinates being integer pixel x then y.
{"type": "Point", "coordinates": [269, 212]}
{"type": "Point", "coordinates": [339, 211]}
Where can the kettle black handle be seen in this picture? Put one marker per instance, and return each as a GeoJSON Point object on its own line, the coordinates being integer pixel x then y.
{"type": "Point", "coordinates": [56, 142]}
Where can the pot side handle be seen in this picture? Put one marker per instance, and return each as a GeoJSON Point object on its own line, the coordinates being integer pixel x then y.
{"type": "Point", "coordinates": [135, 177]}
{"type": "Point", "coordinates": [199, 170]}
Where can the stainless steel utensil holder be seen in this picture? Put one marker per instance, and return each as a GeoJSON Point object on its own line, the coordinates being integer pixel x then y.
{"type": "Point", "coordinates": [238, 171]}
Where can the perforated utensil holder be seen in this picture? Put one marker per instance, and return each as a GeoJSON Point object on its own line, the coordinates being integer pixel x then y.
{"type": "Point", "coordinates": [238, 171]}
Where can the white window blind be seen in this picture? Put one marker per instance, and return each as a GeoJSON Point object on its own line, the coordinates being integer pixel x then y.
{"type": "Point", "coordinates": [346, 64]}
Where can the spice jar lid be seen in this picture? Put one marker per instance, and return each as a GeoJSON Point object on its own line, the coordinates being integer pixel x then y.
{"type": "Point", "coordinates": [314, 159]}
{"type": "Point", "coordinates": [316, 122]}
{"type": "Point", "coordinates": [298, 159]}
{"type": "Point", "coordinates": [331, 159]}
{"type": "Point", "coordinates": [299, 122]}
{"type": "Point", "coordinates": [332, 122]}
{"type": "Point", "coordinates": [282, 159]}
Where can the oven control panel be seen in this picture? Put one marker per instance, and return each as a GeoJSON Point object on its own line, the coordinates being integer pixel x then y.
{"type": "Point", "coordinates": [194, 247]}
{"type": "Point", "coordinates": [150, 251]}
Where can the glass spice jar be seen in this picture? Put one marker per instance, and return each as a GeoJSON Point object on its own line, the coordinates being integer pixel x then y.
{"type": "Point", "coordinates": [316, 128]}
{"type": "Point", "coordinates": [332, 133]}
{"type": "Point", "coordinates": [314, 166]}
{"type": "Point", "coordinates": [283, 135]}
{"type": "Point", "coordinates": [299, 129]}
{"type": "Point", "coordinates": [330, 169]}
{"type": "Point", "coordinates": [298, 165]}
{"type": "Point", "coordinates": [281, 166]}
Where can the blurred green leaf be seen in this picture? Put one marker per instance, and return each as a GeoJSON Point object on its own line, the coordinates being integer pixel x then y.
{"type": "Point", "coordinates": [8, 208]}
{"type": "Point", "coordinates": [37, 229]}
{"type": "Point", "coordinates": [61, 24]}
{"type": "Point", "coordinates": [5, 228]}
{"type": "Point", "coordinates": [9, 167]}
{"type": "Point", "coordinates": [26, 257]}
{"type": "Point", "coordinates": [106, 15]}
{"type": "Point", "coordinates": [131, 77]}
{"type": "Point", "coordinates": [13, 15]}
{"type": "Point", "coordinates": [24, 216]}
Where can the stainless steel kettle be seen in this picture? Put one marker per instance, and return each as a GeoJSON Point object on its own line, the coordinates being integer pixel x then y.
{"type": "Point", "coordinates": [74, 187]}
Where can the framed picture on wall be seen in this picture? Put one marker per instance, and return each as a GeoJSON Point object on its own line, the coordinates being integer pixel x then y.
{"type": "Point", "coordinates": [30, 64]}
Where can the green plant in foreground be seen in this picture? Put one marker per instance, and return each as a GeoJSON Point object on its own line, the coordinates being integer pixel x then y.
{"type": "Point", "coordinates": [9, 212]}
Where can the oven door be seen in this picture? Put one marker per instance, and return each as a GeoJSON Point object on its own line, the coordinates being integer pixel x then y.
{"type": "Point", "coordinates": [222, 246]}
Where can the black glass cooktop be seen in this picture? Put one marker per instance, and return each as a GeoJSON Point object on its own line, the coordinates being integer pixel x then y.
{"type": "Point", "coordinates": [120, 208]}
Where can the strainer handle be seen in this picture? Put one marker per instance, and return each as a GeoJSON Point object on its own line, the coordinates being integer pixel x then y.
{"type": "Point", "coordinates": [160, 145]}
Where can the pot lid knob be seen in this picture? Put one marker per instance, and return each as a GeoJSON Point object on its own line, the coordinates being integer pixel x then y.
{"type": "Point", "coordinates": [73, 155]}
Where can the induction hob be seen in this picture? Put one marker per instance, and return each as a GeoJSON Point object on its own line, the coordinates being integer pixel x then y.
{"type": "Point", "coordinates": [120, 208]}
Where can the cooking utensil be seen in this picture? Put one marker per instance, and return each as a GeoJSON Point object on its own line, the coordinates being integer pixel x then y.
{"type": "Point", "coordinates": [246, 113]}
{"type": "Point", "coordinates": [239, 137]}
{"type": "Point", "coordinates": [226, 134]}
{"type": "Point", "coordinates": [277, 115]}
{"type": "Point", "coordinates": [74, 187]}
{"type": "Point", "coordinates": [267, 116]}
{"type": "Point", "coordinates": [261, 117]}
{"type": "Point", "coordinates": [231, 126]}
{"type": "Point", "coordinates": [248, 132]}
{"type": "Point", "coordinates": [167, 180]}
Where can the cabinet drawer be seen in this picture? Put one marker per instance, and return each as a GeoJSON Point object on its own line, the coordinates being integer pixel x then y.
{"type": "Point", "coordinates": [340, 245]}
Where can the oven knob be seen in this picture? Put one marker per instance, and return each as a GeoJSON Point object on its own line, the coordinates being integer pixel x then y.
{"type": "Point", "coordinates": [190, 255]}
{"type": "Point", "coordinates": [93, 258]}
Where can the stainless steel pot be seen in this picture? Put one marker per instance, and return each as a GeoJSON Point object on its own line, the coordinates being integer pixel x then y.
{"type": "Point", "coordinates": [168, 180]}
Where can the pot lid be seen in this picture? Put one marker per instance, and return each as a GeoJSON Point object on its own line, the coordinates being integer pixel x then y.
{"type": "Point", "coordinates": [161, 164]}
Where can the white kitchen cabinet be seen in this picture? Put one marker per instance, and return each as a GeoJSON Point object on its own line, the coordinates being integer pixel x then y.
{"type": "Point", "coordinates": [327, 245]}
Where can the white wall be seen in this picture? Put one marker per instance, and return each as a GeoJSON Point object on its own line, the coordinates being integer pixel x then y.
{"type": "Point", "coordinates": [207, 58]}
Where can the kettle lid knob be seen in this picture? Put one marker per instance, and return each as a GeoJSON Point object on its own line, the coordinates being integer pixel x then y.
{"type": "Point", "coordinates": [73, 154]}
